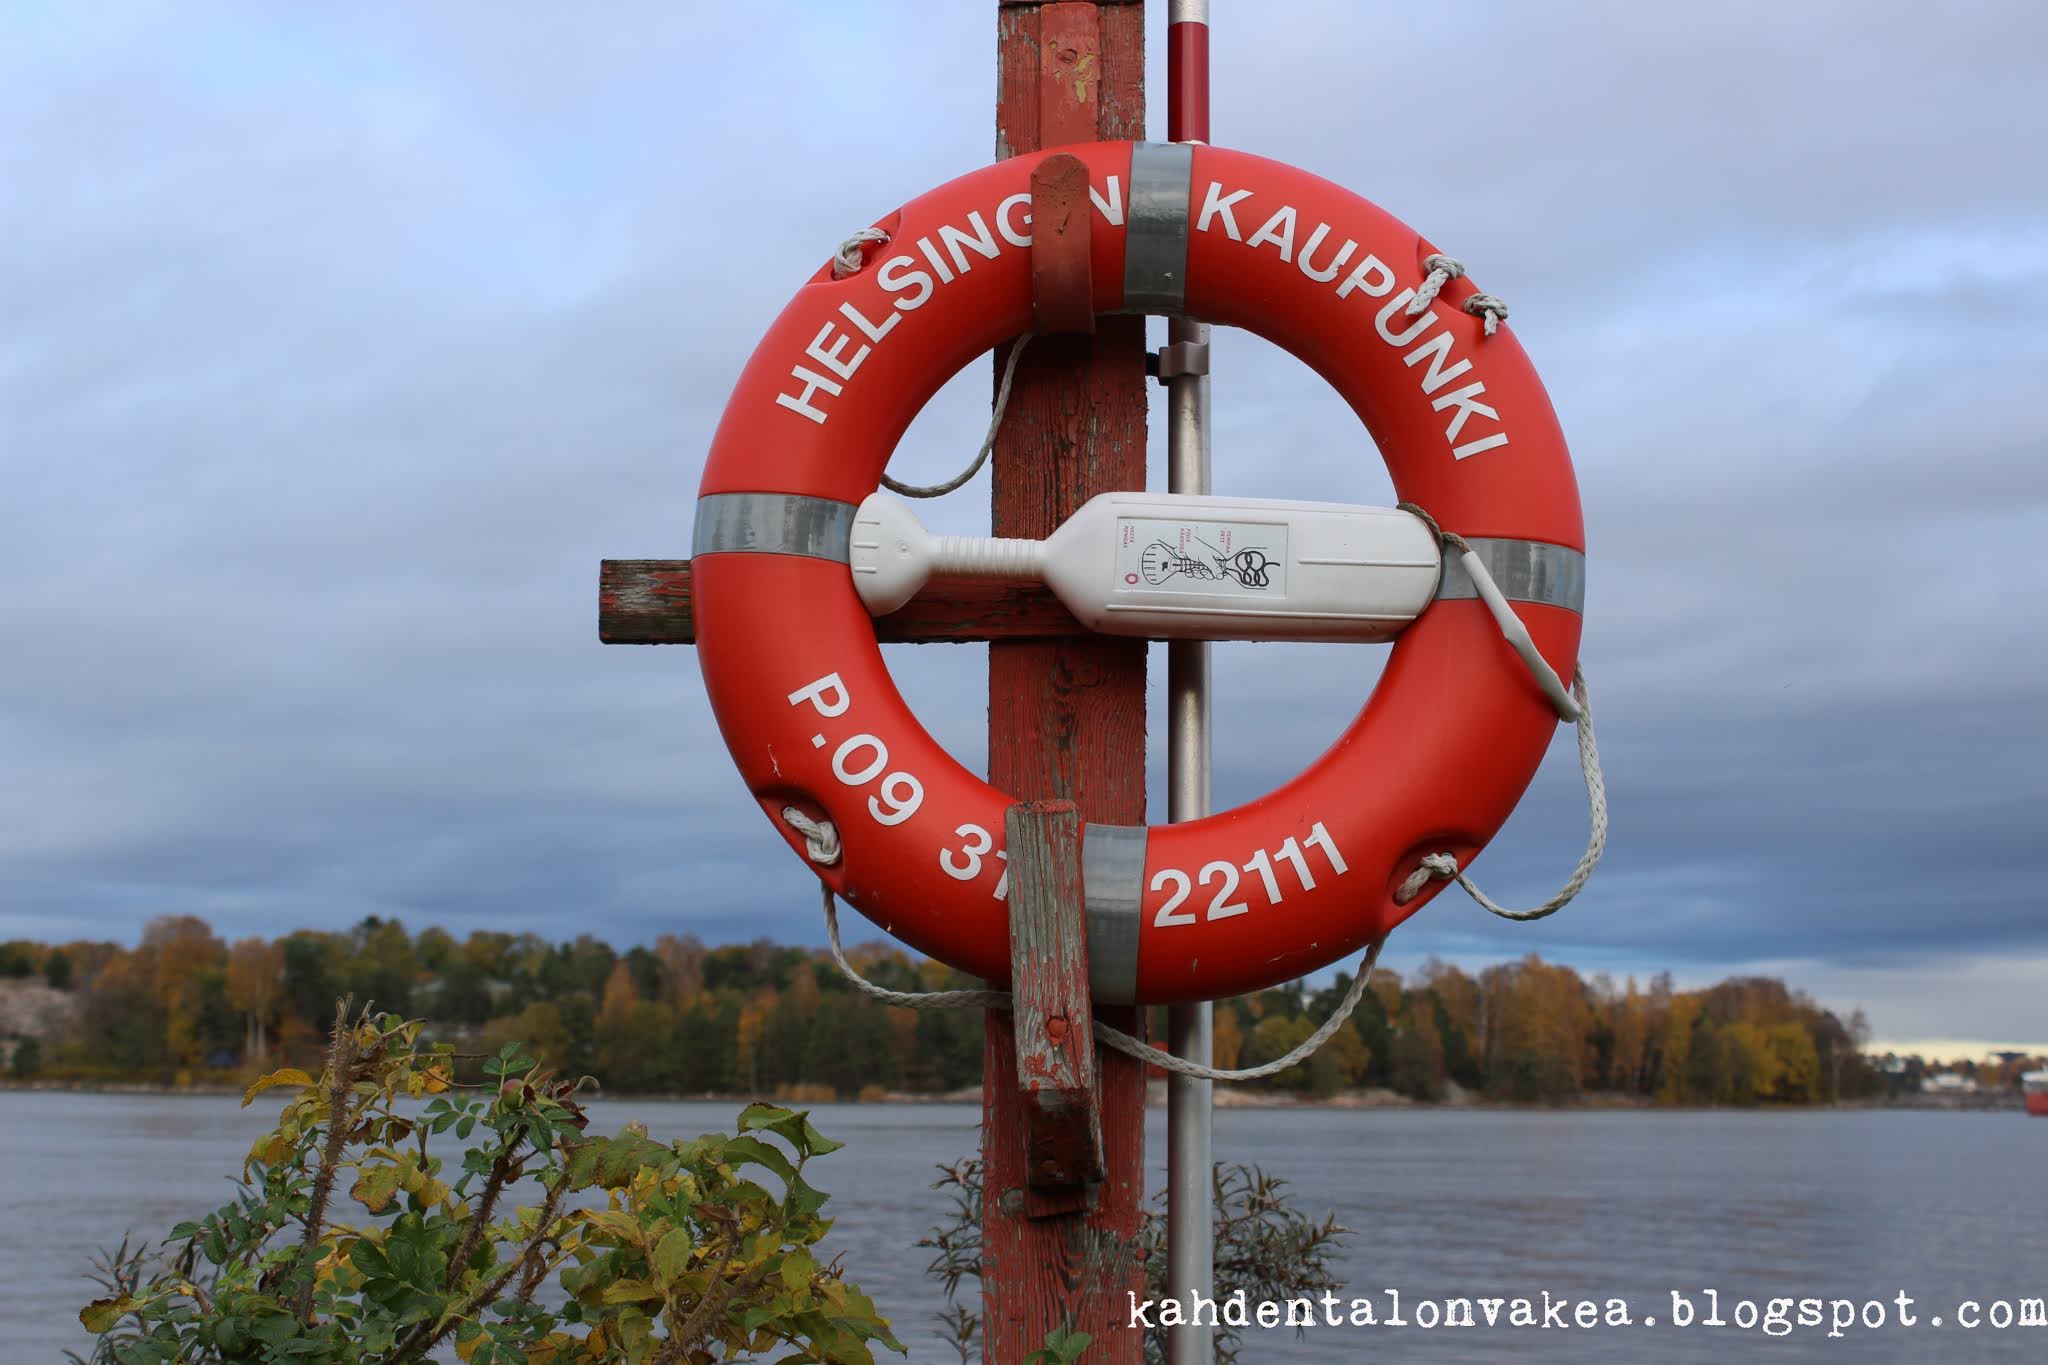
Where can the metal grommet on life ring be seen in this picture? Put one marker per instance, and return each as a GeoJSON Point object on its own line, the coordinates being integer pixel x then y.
{"type": "Point", "coordinates": [1250, 897]}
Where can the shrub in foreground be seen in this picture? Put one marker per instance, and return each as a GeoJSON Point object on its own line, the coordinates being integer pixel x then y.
{"type": "Point", "coordinates": [355, 1238]}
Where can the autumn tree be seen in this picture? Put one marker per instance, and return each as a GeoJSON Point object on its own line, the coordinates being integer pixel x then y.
{"type": "Point", "coordinates": [255, 977]}
{"type": "Point", "coordinates": [1632, 1031]}
{"type": "Point", "coordinates": [184, 959]}
{"type": "Point", "coordinates": [1539, 1027]}
{"type": "Point", "coordinates": [313, 964]}
{"type": "Point", "coordinates": [1417, 1066]}
{"type": "Point", "coordinates": [120, 1029]}
{"type": "Point", "coordinates": [1797, 1060]}
{"type": "Point", "coordinates": [1460, 1021]}
{"type": "Point", "coordinates": [619, 1031]}
{"type": "Point", "coordinates": [1226, 1038]}
{"type": "Point", "coordinates": [380, 964]}
{"type": "Point", "coordinates": [682, 969]}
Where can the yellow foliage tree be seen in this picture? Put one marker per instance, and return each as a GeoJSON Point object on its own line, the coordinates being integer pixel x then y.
{"type": "Point", "coordinates": [1677, 1048]}
{"type": "Point", "coordinates": [1226, 1039]}
{"type": "Point", "coordinates": [1752, 1066]}
{"type": "Point", "coordinates": [255, 975]}
{"type": "Point", "coordinates": [182, 952]}
{"type": "Point", "coordinates": [1798, 1063]}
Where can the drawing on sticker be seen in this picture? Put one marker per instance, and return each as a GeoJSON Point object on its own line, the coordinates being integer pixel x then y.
{"type": "Point", "coordinates": [1249, 567]}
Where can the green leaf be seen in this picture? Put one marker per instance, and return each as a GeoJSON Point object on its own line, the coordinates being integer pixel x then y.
{"type": "Point", "coordinates": [581, 1168]}
{"type": "Point", "coordinates": [761, 1115]}
{"type": "Point", "coordinates": [820, 1145]}
{"type": "Point", "coordinates": [672, 1254]}
{"type": "Point", "coordinates": [101, 1314]}
{"type": "Point", "coordinates": [792, 1127]}
{"type": "Point", "coordinates": [636, 1329]}
{"type": "Point", "coordinates": [632, 1291]}
{"type": "Point", "coordinates": [761, 1154]}
{"type": "Point", "coordinates": [368, 1257]}
{"type": "Point", "coordinates": [276, 1329]}
{"type": "Point", "coordinates": [1062, 1347]}
{"type": "Point", "coordinates": [803, 1199]}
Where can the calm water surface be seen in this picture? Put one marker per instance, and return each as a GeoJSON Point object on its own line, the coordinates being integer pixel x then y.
{"type": "Point", "coordinates": [1445, 1203]}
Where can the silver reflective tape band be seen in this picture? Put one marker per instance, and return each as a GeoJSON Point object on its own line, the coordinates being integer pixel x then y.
{"type": "Point", "coordinates": [1524, 571]}
{"type": "Point", "coordinates": [1156, 227]}
{"type": "Point", "coordinates": [774, 524]}
{"type": "Point", "coordinates": [1113, 880]}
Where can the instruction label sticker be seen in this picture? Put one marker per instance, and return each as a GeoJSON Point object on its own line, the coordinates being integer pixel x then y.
{"type": "Point", "coordinates": [1220, 558]}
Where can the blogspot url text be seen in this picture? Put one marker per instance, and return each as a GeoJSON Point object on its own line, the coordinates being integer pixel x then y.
{"type": "Point", "coordinates": [1686, 1309]}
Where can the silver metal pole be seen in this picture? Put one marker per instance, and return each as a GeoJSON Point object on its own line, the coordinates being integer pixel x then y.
{"type": "Point", "coordinates": [1190, 1214]}
{"type": "Point", "coordinates": [1190, 1227]}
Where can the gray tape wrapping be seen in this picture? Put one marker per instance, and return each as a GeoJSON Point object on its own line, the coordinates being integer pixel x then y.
{"type": "Point", "coordinates": [774, 524]}
{"type": "Point", "coordinates": [1156, 228]}
{"type": "Point", "coordinates": [1113, 879]}
{"type": "Point", "coordinates": [1524, 571]}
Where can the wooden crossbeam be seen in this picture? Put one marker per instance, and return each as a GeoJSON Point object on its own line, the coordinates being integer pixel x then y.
{"type": "Point", "coordinates": [647, 602]}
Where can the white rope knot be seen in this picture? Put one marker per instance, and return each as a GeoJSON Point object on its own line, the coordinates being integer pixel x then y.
{"type": "Point", "coordinates": [821, 837]}
{"type": "Point", "coordinates": [1488, 307]}
{"type": "Point", "coordinates": [1433, 866]}
{"type": "Point", "coordinates": [852, 257]}
{"type": "Point", "coordinates": [1442, 270]}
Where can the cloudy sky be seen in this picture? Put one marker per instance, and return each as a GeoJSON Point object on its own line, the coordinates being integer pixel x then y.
{"type": "Point", "coordinates": [338, 345]}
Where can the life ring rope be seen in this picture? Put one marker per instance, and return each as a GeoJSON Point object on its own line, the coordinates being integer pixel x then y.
{"type": "Point", "coordinates": [988, 442]}
{"type": "Point", "coordinates": [1445, 865]}
{"type": "Point", "coordinates": [1106, 1034]}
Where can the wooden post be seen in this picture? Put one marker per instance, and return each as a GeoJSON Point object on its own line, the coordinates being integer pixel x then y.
{"type": "Point", "coordinates": [1067, 718]}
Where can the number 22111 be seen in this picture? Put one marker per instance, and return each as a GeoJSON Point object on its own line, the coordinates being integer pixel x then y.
{"type": "Point", "coordinates": [1225, 877]}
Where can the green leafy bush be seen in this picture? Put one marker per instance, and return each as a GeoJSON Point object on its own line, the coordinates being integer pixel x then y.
{"type": "Point", "coordinates": [662, 1253]}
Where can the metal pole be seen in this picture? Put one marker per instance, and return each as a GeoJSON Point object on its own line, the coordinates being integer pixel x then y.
{"type": "Point", "coordinates": [1190, 1225]}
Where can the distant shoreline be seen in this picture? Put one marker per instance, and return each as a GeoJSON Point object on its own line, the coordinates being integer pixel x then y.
{"type": "Point", "coordinates": [1603, 1101]}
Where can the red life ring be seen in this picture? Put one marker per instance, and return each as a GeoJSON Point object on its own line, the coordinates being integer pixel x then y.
{"type": "Point", "coordinates": [1246, 898]}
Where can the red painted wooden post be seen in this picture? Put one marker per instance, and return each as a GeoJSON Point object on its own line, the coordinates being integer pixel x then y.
{"type": "Point", "coordinates": [1067, 719]}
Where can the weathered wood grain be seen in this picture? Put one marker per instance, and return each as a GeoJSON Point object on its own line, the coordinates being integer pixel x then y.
{"type": "Point", "coordinates": [647, 602]}
{"type": "Point", "coordinates": [1049, 1011]}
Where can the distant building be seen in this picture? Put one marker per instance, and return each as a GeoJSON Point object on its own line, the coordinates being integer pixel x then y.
{"type": "Point", "coordinates": [1948, 1083]}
